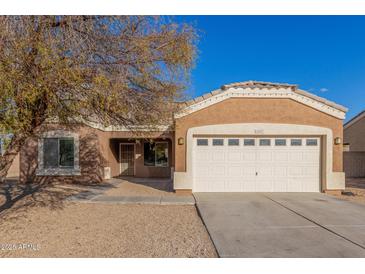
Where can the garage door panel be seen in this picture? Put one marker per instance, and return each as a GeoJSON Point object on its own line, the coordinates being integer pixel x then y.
{"type": "Point", "coordinates": [202, 170]}
{"type": "Point", "coordinates": [264, 171]}
{"type": "Point", "coordinates": [249, 185]}
{"type": "Point", "coordinates": [264, 185]}
{"type": "Point", "coordinates": [249, 156]}
{"type": "Point", "coordinates": [218, 170]}
{"type": "Point", "coordinates": [281, 166]}
{"type": "Point", "coordinates": [249, 171]}
{"type": "Point", "coordinates": [217, 185]}
{"type": "Point", "coordinates": [234, 185]}
{"type": "Point", "coordinates": [308, 184]}
{"type": "Point", "coordinates": [312, 172]}
{"type": "Point", "coordinates": [264, 155]}
{"type": "Point", "coordinates": [280, 171]}
{"type": "Point", "coordinates": [310, 156]}
{"type": "Point", "coordinates": [295, 185]}
{"type": "Point", "coordinates": [295, 156]}
{"type": "Point", "coordinates": [233, 156]}
{"type": "Point", "coordinates": [280, 184]}
{"type": "Point", "coordinates": [235, 171]}
{"type": "Point", "coordinates": [294, 171]}
{"type": "Point", "coordinates": [202, 155]}
{"type": "Point", "coordinates": [218, 156]}
{"type": "Point", "coordinates": [203, 185]}
{"type": "Point", "coordinates": [281, 156]}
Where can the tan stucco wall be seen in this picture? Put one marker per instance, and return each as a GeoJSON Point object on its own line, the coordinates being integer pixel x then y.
{"type": "Point", "coordinates": [14, 168]}
{"type": "Point", "coordinates": [253, 110]}
{"type": "Point", "coordinates": [355, 135]}
{"type": "Point", "coordinates": [98, 149]}
{"type": "Point", "coordinates": [91, 157]}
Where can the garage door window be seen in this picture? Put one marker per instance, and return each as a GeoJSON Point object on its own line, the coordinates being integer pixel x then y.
{"type": "Point", "coordinates": [233, 142]}
{"type": "Point", "coordinates": [280, 142]}
{"type": "Point", "coordinates": [218, 142]}
{"type": "Point", "coordinates": [296, 142]}
{"type": "Point", "coordinates": [249, 142]}
{"type": "Point", "coordinates": [311, 142]}
{"type": "Point", "coordinates": [202, 142]}
{"type": "Point", "coordinates": [265, 142]}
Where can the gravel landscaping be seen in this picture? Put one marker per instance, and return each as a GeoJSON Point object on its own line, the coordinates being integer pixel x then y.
{"type": "Point", "coordinates": [355, 190]}
{"type": "Point", "coordinates": [49, 226]}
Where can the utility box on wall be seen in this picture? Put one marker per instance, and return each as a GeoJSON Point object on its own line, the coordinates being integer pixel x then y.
{"type": "Point", "coordinates": [107, 173]}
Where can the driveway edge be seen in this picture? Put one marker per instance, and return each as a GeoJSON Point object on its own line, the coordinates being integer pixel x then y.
{"type": "Point", "coordinates": [206, 228]}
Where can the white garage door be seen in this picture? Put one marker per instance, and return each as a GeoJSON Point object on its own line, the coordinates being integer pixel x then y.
{"type": "Point", "coordinates": [279, 164]}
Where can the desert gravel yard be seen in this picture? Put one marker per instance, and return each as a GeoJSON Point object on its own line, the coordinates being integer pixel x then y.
{"type": "Point", "coordinates": [60, 228]}
{"type": "Point", "coordinates": [355, 190]}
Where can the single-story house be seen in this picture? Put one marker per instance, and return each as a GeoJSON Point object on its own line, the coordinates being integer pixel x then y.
{"type": "Point", "coordinates": [354, 146]}
{"type": "Point", "coordinates": [243, 137]}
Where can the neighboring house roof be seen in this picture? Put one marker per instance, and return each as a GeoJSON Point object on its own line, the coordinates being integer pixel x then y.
{"type": "Point", "coordinates": [358, 117]}
{"type": "Point", "coordinates": [258, 89]}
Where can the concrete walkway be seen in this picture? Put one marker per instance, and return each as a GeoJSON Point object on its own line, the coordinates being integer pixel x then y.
{"type": "Point", "coordinates": [283, 224]}
{"type": "Point", "coordinates": [155, 191]}
{"type": "Point", "coordinates": [151, 200]}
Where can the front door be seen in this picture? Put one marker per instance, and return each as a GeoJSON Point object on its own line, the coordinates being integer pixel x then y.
{"type": "Point", "coordinates": [127, 159]}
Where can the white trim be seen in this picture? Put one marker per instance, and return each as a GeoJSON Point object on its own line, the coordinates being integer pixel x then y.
{"type": "Point", "coordinates": [331, 180]}
{"type": "Point", "coordinates": [42, 171]}
{"type": "Point", "coordinates": [134, 158]}
{"type": "Point", "coordinates": [100, 126]}
{"type": "Point", "coordinates": [286, 93]}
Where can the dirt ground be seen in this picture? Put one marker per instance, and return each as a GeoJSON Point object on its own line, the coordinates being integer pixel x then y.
{"type": "Point", "coordinates": [38, 221]}
{"type": "Point", "coordinates": [355, 190]}
{"type": "Point", "coordinates": [141, 187]}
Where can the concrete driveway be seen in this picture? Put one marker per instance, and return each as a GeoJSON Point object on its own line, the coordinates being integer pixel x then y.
{"type": "Point", "coordinates": [283, 224]}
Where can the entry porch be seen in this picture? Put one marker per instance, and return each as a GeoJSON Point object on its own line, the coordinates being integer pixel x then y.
{"type": "Point", "coordinates": [141, 157]}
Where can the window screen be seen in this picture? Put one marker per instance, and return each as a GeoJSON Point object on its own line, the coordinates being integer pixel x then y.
{"type": "Point", "coordinates": [149, 154]}
{"type": "Point", "coordinates": [218, 142]}
{"type": "Point", "coordinates": [233, 142]}
{"type": "Point", "coordinates": [161, 154]}
{"type": "Point", "coordinates": [249, 142]}
{"type": "Point", "coordinates": [66, 152]}
{"type": "Point", "coordinates": [50, 152]}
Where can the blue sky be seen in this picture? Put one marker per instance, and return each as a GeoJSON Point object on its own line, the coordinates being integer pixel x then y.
{"type": "Point", "coordinates": [323, 54]}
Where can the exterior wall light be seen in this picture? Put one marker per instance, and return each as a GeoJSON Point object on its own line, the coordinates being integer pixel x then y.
{"type": "Point", "coordinates": [338, 141]}
{"type": "Point", "coordinates": [180, 141]}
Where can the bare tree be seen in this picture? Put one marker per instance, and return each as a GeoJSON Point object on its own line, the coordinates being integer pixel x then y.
{"type": "Point", "coordinates": [124, 70]}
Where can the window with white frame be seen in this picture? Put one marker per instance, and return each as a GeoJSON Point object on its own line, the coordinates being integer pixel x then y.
{"type": "Point", "coordinates": [156, 154]}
